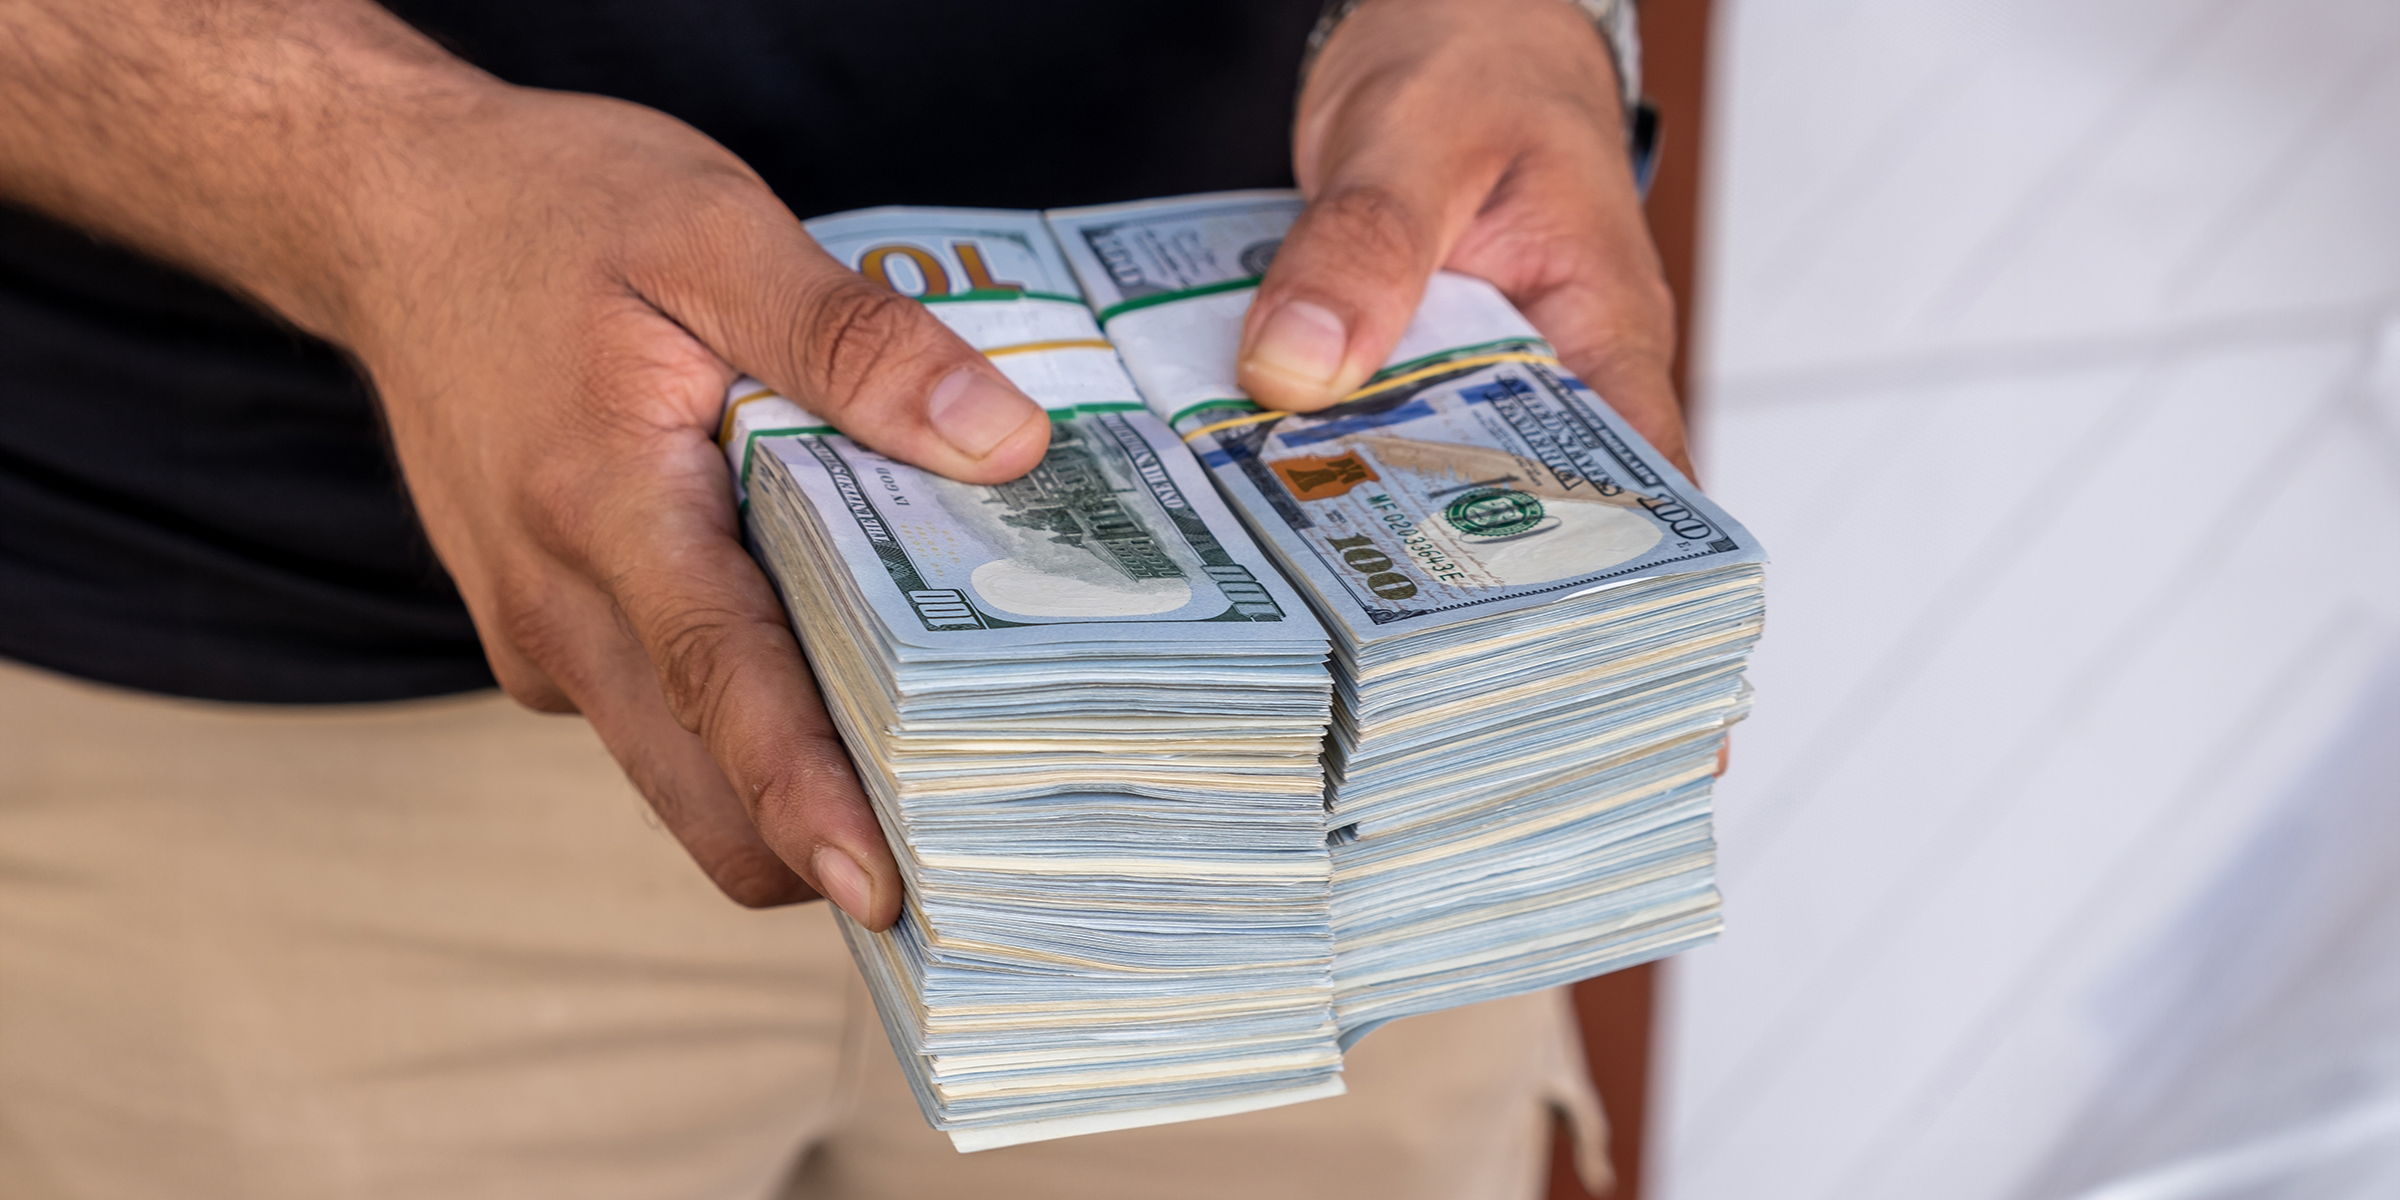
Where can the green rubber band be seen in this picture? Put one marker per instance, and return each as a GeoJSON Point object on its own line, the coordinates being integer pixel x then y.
{"type": "Point", "coordinates": [750, 445]}
{"type": "Point", "coordinates": [1207, 289]}
{"type": "Point", "coordinates": [1238, 403]}
{"type": "Point", "coordinates": [992, 294]}
{"type": "Point", "coordinates": [1438, 356]}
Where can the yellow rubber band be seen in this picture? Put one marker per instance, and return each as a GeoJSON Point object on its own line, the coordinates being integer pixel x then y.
{"type": "Point", "coordinates": [1380, 386]}
{"type": "Point", "coordinates": [1244, 419]}
{"type": "Point", "coordinates": [725, 426]}
{"type": "Point", "coordinates": [1036, 347]}
{"type": "Point", "coordinates": [1460, 364]}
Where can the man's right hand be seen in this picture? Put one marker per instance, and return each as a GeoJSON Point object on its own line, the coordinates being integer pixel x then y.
{"type": "Point", "coordinates": [550, 293]}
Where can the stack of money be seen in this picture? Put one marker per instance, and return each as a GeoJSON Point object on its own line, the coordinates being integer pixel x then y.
{"type": "Point", "coordinates": [1088, 713]}
{"type": "Point", "coordinates": [1540, 625]}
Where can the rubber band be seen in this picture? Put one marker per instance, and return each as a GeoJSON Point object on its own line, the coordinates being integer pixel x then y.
{"type": "Point", "coordinates": [1381, 386]}
{"type": "Point", "coordinates": [725, 425]}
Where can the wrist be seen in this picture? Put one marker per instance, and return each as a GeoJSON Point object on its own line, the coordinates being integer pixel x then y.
{"type": "Point", "coordinates": [1616, 22]}
{"type": "Point", "coordinates": [1486, 73]}
{"type": "Point", "coordinates": [373, 175]}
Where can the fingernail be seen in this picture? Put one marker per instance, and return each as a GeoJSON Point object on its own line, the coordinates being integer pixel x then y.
{"type": "Point", "coordinates": [844, 881]}
{"type": "Point", "coordinates": [1304, 341]}
{"type": "Point", "coordinates": [974, 413]}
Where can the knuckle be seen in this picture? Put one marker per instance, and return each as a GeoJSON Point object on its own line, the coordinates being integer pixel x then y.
{"type": "Point", "coordinates": [754, 878]}
{"type": "Point", "coordinates": [721, 199]}
{"type": "Point", "coordinates": [553, 502]}
{"type": "Point", "coordinates": [526, 646]}
{"type": "Point", "coordinates": [712, 203]}
{"type": "Point", "coordinates": [1614, 320]}
{"type": "Point", "coordinates": [851, 333]}
{"type": "Point", "coordinates": [697, 665]}
{"type": "Point", "coordinates": [1621, 347]}
{"type": "Point", "coordinates": [809, 780]}
{"type": "Point", "coordinates": [1372, 224]}
{"type": "Point", "coordinates": [525, 622]}
{"type": "Point", "coordinates": [744, 869]}
{"type": "Point", "coordinates": [532, 689]}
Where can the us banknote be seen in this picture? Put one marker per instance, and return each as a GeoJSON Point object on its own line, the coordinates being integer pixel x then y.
{"type": "Point", "coordinates": [1087, 710]}
{"type": "Point", "coordinates": [1473, 475]}
{"type": "Point", "coordinates": [1115, 525]}
{"type": "Point", "coordinates": [1540, 623]}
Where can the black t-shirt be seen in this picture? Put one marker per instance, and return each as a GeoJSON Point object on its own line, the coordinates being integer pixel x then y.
{"type": "Point", "coordinates": [196, 500]}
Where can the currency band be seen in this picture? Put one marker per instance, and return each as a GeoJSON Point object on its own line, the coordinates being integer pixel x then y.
{"type": "Point", "coordinates": [725, 424]}
{"type": "Point", "coordinates": [1381, 386]}
{"type": "Point", "coordinates": [1060, 344]}
{"type": "Point", "coordinates": [991, 295]}
{"type": "Point", "coordinates": [1157, 298]}
{"type": "Point", "coordinates": [1244, 419]}
{"type": "Point", "coordinates": [1241, 402]}
{"type": "Point", "coordinates": [1457, 364]}
{"type": "Point", "coordinates": [733, 406]}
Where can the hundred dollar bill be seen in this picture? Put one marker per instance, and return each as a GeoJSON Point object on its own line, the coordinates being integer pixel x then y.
{"type": "Point", "coordinates": [1111, 528]}
{"type": "Point", "coordinates": [1087, 711]}
{"type": "Point", "coordinates": [1472, 476]}
{"type": "Point", "coordinates": [995, 278]}
{"type": "Point", "coordinates": [1115, 525]}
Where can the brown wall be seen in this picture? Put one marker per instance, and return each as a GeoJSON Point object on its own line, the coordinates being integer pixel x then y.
{"type": "Point", "coordinates": [1617, 1010]}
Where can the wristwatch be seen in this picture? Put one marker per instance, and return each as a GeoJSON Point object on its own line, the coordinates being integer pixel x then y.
{"type": "Point", "coordinates": [1613, 18]}
{"type": "Point", "coordinates": [1618, 29]}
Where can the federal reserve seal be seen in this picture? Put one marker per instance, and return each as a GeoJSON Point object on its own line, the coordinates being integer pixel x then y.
{"type": "Point", "coordinates": [1493, 513]}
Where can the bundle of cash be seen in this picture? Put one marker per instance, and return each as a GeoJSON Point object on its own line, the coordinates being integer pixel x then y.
{"type": "Point", "coordinates": [1087, 711]}
{"type": "Point", "coordinates": [1539, 624]}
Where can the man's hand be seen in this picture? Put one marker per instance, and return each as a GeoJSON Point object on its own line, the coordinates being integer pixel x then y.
{"type": "Point", "coordinates": [552, 367]}
{"type": "Point", "coordinates": [550, 293]}
{"type": "Point", "coordinates": [1484, 137]}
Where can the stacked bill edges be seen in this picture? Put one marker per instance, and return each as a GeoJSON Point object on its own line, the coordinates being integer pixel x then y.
{"type": "Point", "coordinates": [1110, 825]}
{"type": "Point", "coordinates": [1523, 801]}
{"type": "Point", "coordinates": [1539, 625]}
{"type": "Point", "coordinates": [1135, 892]}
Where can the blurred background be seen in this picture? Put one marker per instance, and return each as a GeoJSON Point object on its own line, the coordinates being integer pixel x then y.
{"type": "Point", "coordinates": [2053, 349]}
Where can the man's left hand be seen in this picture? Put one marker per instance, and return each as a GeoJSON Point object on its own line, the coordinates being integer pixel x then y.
{"type": "Point", "coordinates": [1479, 136]}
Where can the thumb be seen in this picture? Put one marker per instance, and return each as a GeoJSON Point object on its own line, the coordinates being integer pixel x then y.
{"type": "Point", "coordinates": [872, 362]}
{"type": "Point", "coordinates": [1343, 287]}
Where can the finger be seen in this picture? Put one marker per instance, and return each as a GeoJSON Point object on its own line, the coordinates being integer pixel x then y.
{"type": "Point", "coordinates": [668, 763]}
{"type": "Point", "coordinates": [1410, 119]}
{"type": "Point", "coordinates": [725, 663]}
{"type": "Point", "coordinates": [732, 673]}
{"type": "Point", "coordinates": [1625, 360]}
{"type": "Point", "coordinates": [872, 362]}
{"type": "Point", "coordinates": [1566, 242]}
{"type": "Point", "coordinates": [1342, 289]}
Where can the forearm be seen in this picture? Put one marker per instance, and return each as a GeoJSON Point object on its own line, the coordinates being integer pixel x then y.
{"type": "Point", "coordinates": [246, 141]}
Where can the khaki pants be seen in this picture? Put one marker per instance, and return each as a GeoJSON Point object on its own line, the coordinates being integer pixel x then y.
{"type": "Point", "coordinates": [439, 949]}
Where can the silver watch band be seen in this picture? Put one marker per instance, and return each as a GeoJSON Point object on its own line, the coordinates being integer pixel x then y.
{"type": "Point", "coordinates": [1613, 18]}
